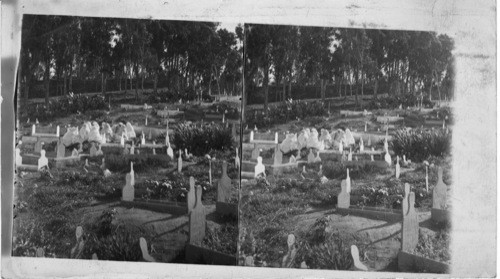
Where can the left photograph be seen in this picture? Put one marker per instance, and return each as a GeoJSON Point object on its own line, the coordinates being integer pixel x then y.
{"type": "Point", "coordinates": [128, 132]}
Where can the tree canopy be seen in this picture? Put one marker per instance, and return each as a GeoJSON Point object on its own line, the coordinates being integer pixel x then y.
{"type": "Point", "coordinates": [67, 54]}
{"type": "Point", "coordinates": [351, 61]}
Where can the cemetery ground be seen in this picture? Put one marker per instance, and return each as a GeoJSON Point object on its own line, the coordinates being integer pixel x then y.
{"type": "Point", "coordinates": [292, 216]}
{"type": "Point", "coordinates": [85, 190]}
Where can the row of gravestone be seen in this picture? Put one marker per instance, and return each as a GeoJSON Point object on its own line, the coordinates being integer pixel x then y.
{"type": "Point", "coordinates": [410, 221]}
{"type": "Point", "coordinates": [223, 189]}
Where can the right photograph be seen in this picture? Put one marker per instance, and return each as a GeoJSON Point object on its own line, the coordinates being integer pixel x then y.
{"type": "Point", "coordinates": [346, 149]}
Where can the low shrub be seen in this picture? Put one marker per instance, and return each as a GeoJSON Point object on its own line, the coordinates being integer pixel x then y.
{"type": "Point", "coordinates": [111, 242]}
{"type": "Point", "coordinates": [222, 239]}
{"type": "Point", "coordinates": [435, 247]}
{"type": "Point", "coordinates": [334, 253]}
{"type": "Point", "coordinates": [420, 144]}
{"type": "Point", "coordinates": [200, 140]}
{"type": "Point", "coordinates": [390, 194]}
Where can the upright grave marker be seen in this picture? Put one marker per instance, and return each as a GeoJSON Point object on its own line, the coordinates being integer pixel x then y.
{"type": "Point", "coordinates": [61, 149]}
{"type": "Point", "coordinates": [398, 167]}
{"type": "Point", "coordinates": [348, 182]}
{"type": "Point", "coordinates": [344, 198]}
{"type": "Point", "coordinates": [358, 265]}
{"type": "Point", "coordinates": [197, 221]}
{"type": "Point", "coordinates": [191, 195]}
{"type": "Point", "coordinates": [128, 191]}
{"type": "Point", "coordinates": [237, 160]}
{"type": "Point", "coordinates": [19, 158]}
{"type": "Point", "coordinates": [409, 230]}
{"type": "Point", "coordinates": [310, 156]}
{"type": "Point", "coordinates": [259, 168]}
{"type": "Point", "coordinates": [93, 150]}
{"type": "Point", "coordinates": [43, 161]}
{"type": "Point", "coordinates": [224, 187]}
{"type": "Point", "coordinates": [179, 162]}
{"type": "Point", "coordinates": [144, 250]}
{"type": "Point", "coordinates": [170, 151]}
{"type": "Point", "coordinates": [438, 211]}
{"type": "Point", "coordinates": [278, 155]}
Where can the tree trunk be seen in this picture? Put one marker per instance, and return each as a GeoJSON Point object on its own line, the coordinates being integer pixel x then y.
{"type": "Point", "coordinates": [136, 72]}
{"type": "Point", "coordinates": [46, 80]}
{"type": "Point", "coordinates": [142, 83]}
{"type": "Point", "coordinates": [266, 88]}
{"type": "Point", "coordinates": [290, 88]}
{"type": "Point", "coordinates": [375, 88]}
{"type": "Point", "coordinates": [103, 90]}
{"type": "Point", "coordinates": [284, 89]}
{"type": "Point", "coordinates": [65, 86]}
{"type": "Point", "coordinates": [155, 82]}
{"type": "Point", "coordinates": [323, 89]}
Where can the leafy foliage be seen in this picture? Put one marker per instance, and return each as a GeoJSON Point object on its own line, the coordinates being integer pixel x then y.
{"type": "Point", "coordinates": [64, 106]}
{"type": "Point", "coordinates": [420, 144]}
{"type": "Point", "coordinates": [200, 140]}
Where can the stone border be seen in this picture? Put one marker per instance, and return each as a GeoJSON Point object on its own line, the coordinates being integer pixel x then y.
{"type": "Point", "coordinates": [372, 213]}
{"type": "Point", "coordinates": [195, 253]}
{"type": "Point", "coordinates": [157, 206]}
{"type": "Point", "coordinates": [408, 262]}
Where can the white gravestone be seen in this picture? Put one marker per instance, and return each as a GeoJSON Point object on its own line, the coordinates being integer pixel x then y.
{"type": "Point", "coordinates": [237, 159]}
{"type": "Point", "coordinates": [259, 168]}
{"type": "Point", "coordinates": [143, 139]}
{"type": "Point", "coordinates": [43, 161]}
{"type": "Point", "coordinates": [387, 158]}
{"type": "Point", "coordinates": [74, 153]}
{"type": "Point", "coordinates": [344, 197]}
{"type": "Point", "coordinates": [197, 220]}
{"type": "Point", "coordinates": [128, 190]}
{"type": "Point", "coordinates": [132, 174]}
{"type": "Point", "coordinates": [179, 162]}
{"type": "Point", "coordinates": [144, 250]}
{"type": "Point", "coordinates": [361, 145]}
{"type": "Point", "coordinates": [349, 137]}
{"type": "Point", "coordinates": [439, 192]}
{"type": "Point", "coordinates": [170, 151]}
{"type": "Point", "coordinates": [358, 265]}
{"type": "Point", "coordinates": [349, 156]}
{"type": "Point", "coordinates": [19, 158]}
{"type": "Point", "coordinates": [410, 226]}
{"type": "Point", "coordinates": [398, 168]}
{"type": "Point", "coordinates": [191, 195]}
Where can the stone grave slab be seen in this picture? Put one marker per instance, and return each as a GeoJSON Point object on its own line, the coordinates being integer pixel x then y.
{"type": "Point", "coordinates": [197, 221]}
{"type": "Point", "coordinates": [410, 227]}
